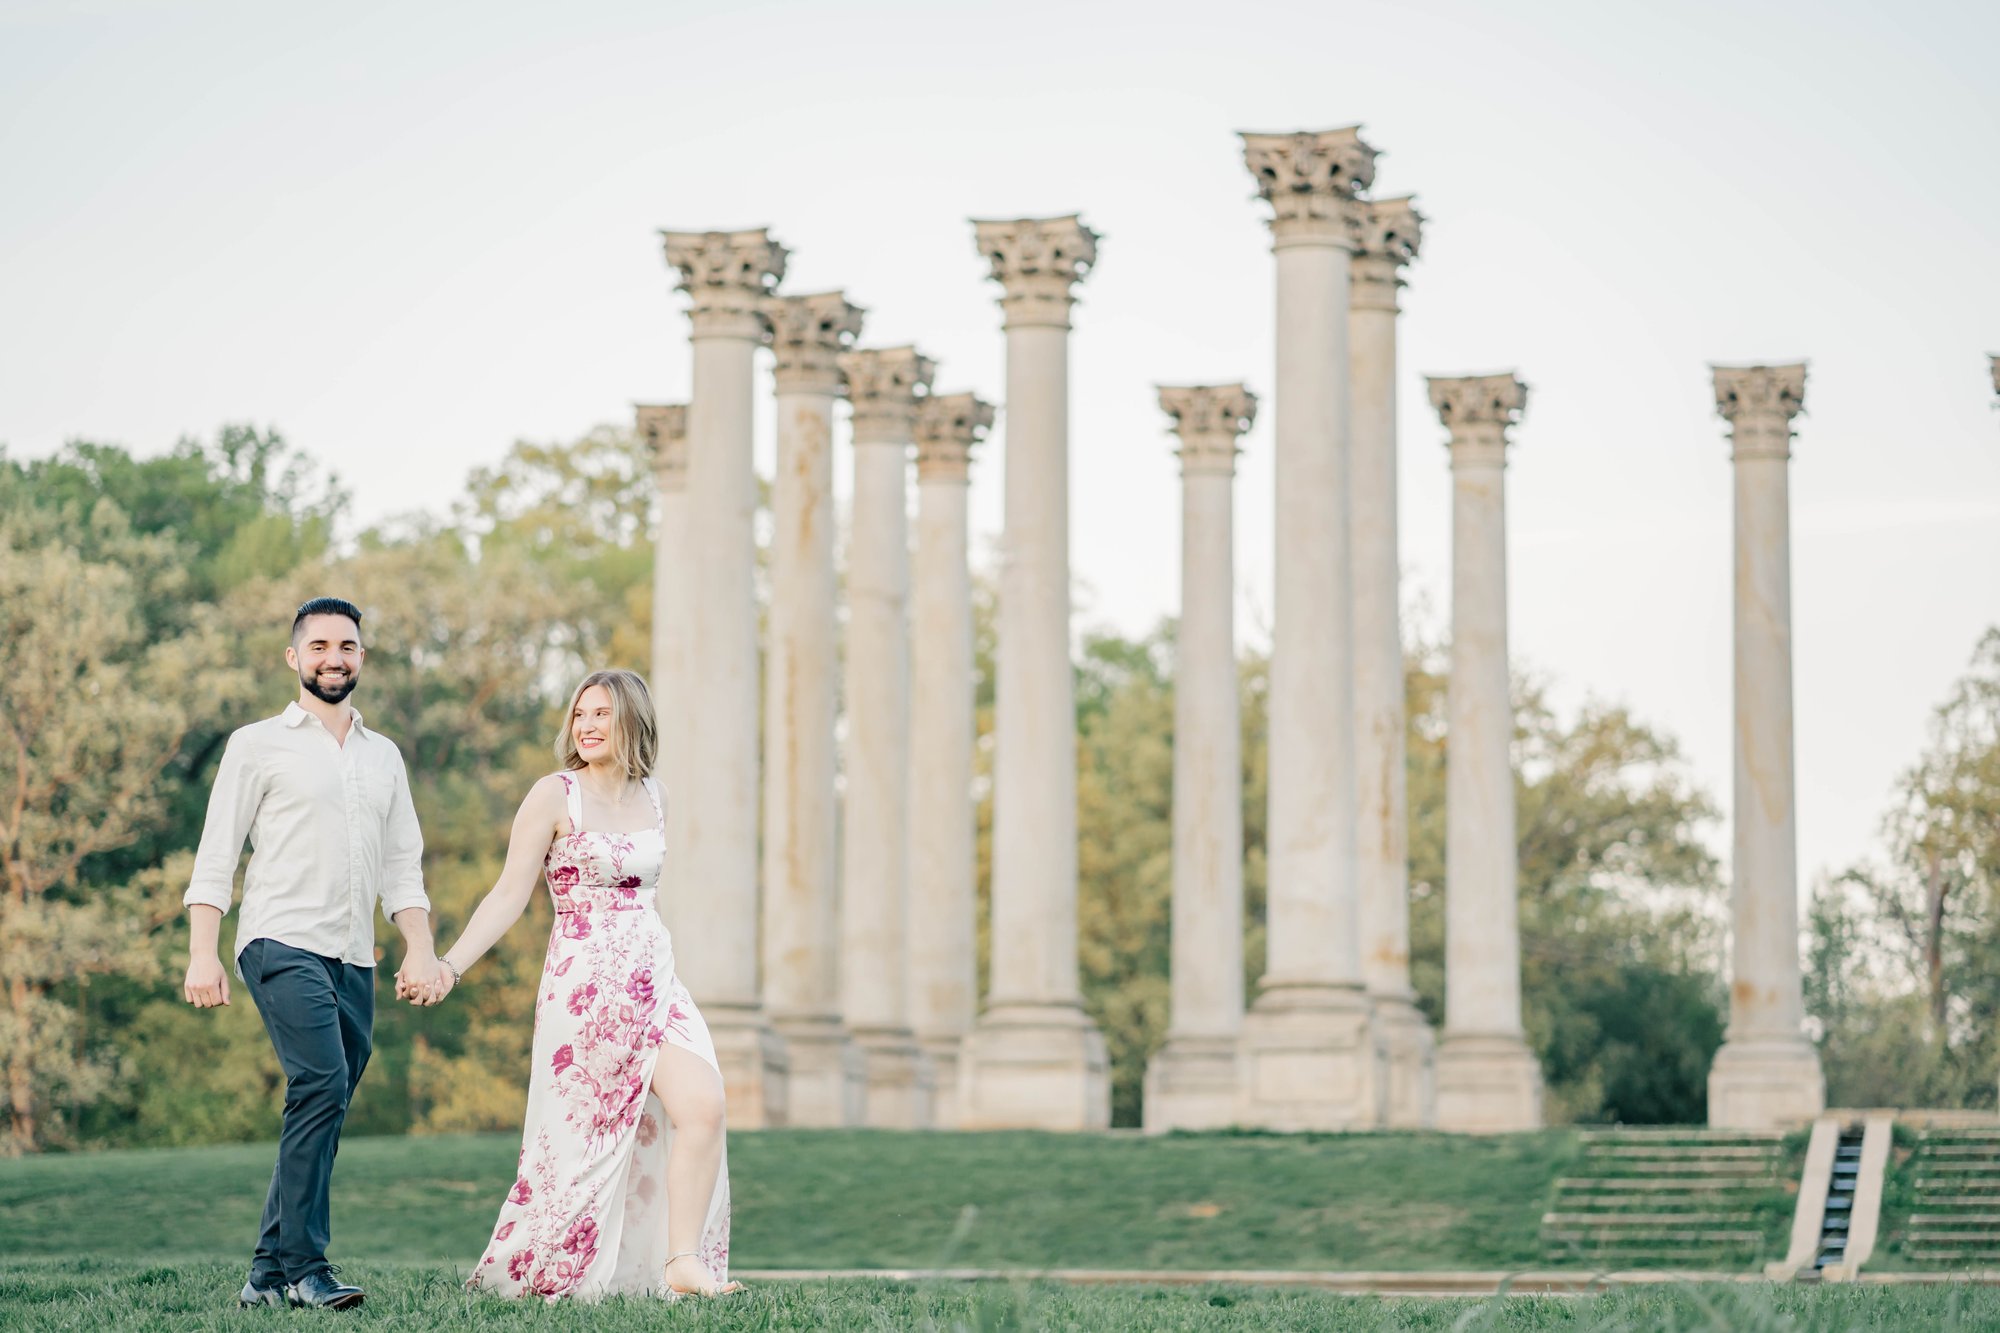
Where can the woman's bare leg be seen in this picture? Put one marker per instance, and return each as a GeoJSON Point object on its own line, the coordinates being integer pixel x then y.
{"type": "Point", "coordinates": [691, 1092]}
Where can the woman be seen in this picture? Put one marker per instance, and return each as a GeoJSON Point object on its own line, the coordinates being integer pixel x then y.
{"type": "Point", "coordinates": [607, 1199]}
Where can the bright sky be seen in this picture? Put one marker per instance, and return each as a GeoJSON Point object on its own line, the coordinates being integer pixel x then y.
{"type": "Point", "coordinates": [407, 235]}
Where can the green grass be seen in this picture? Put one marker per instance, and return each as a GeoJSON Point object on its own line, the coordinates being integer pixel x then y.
{"type": "Point", "coordinates": [98, 1294]}
{"type": "Point", "coordinates": [859, 1199]}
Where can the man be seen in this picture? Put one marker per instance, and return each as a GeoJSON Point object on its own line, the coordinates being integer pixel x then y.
{"type": "Point", "coordinates": [326, 804]}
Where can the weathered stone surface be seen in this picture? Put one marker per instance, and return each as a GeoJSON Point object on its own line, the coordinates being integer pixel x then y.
{"type": "Point", "coordinates": [1766, 1075]}
{"type": "Point", "coordinates": [800, 942]}
{"type": "Point", "coordinates": [1391, 231]}
{"type": "Point", "coordinates": [1487, 1078]}
{"type": "Point", "coordinates": [942, 982]}
{"type": "Point", "coordinates": [1034, 1059]}
{"type": "Point", "coordinates": [1308, 1045]}
{"type": "Point", "coordinates": [1194, 1081]}
{"type": "Point", "coordinates": [887, 387]}
{"type": "Point", "coordinates": [727, 275]}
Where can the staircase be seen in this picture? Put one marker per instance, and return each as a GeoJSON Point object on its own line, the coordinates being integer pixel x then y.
{"type": "Point", "coordinates": [1667, 1198]}
{"type": "Point", "coordinates": [1839, 1215]}
{"type": "Point", "coordinates": [1955, 1218]}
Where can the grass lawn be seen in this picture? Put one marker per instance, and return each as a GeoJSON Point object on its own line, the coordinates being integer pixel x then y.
{"type": "Point", "coordinates": [859, 1199]}
{"type": "Point", "coordinates": [127, 1294]}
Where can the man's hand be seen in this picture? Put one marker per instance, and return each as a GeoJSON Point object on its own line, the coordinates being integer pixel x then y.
{"type": "Point", "coordinates": [207, 983]}
{"type": "Point", "coordinates": [417, 979]}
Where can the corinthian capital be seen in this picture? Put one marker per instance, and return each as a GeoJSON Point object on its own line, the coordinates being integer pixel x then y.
{"type": "Point", "coordinates": [663, 426]}
{"type": "Point", "coordinates": [1476, 411]}
{"type": "Point", "coordinates": [1209, 418]}
{"type": "Point", "coordinates": [1313, 180]}
{"type": "Point", "coordinates": [1759, 403]}
{"type": "Point", "coordinates": [948, 425]}
{"type": "Point", "coordinates": [808, 333]}
{"type": "Point", "coordinates": [728, 274]}
{"type": "Point", "coordinates": [1036, 261]}
{"type": "Point", "coordinates": [885, 384]}
{"type": "Point", "coordinates": [1388, 237]}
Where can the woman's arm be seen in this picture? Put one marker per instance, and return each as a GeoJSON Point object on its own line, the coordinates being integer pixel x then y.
{"type": "Point", "coordinates": [535, 827]}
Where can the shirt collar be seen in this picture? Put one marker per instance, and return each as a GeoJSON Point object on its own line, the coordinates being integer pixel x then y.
{"type": "Point", "coordinates": [294, 716]}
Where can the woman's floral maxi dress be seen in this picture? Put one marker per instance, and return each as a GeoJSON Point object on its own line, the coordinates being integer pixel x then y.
{"type": "Point", "coordinates": [588, 1212]}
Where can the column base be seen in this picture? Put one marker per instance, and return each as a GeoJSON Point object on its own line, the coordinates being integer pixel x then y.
{"type": "Point", "coordinates": [827, 1082]}
{"type": "Point", "coordinates": [898, 1079]}
{"type": "Point", "coordinates": [754, 1065]}
{"type": "Point", "coordinates": [943, 1054]}
{"type": "Point", "coordinates": [1765, 1083]}
{"type": "Point", "coordinates": [1487, 1084]}
{"type": "Point", "coordinates": [1194, 1083]}
{"type": "Point", "coordinates": [1409, 1050]}
{"type": "Point", "coordinates": [1034, 1067]}
{"type": "Point", "coordinates": [1311, 1061]}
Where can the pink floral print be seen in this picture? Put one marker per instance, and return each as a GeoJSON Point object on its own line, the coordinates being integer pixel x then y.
{"type": "Point", "coordinates": [587, 1212]}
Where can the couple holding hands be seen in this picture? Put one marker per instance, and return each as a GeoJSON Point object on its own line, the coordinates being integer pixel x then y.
{"type": "Point", "coordinates": [622, 1183]}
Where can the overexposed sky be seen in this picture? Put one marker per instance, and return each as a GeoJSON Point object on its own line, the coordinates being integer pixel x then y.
{"type": "Point", "coordinates": [407, 235]}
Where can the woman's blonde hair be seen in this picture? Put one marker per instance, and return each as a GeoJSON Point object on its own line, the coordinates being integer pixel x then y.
{"type": "Point", "coordinates": [635, 732]}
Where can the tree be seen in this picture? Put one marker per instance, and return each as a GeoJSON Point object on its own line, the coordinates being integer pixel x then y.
{"type": "Point", "coordinates": [94, 705]}
{"type": "Point", "coordinates": [1922, 1024]}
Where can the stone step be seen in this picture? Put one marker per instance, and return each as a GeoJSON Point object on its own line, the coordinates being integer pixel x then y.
{"type": "Point", "coordinates": [1669, 1149]}
{"type": "Point", "coordinates": [1608, 1220]}
{"type": "Point", "coordinates": [1920, 1237]}
{"type": "Point", "coordinates": [1605, 1239]}
{"type": "Point", "coordinates": [1924, 1183]}
{"type": "Point", "coordinates": [1677, 1185]}
{"type": "Point", "coordinates": [1954, 1256]}
{"type": "Point", "coordinates": [1953, 1219]}
{"type": "Point", "coordinates": [1958, 1201]}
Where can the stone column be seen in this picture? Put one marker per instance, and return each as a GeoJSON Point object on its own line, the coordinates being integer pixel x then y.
{"type": "Point", "coordinates": [943, 975]}
{"type": "Point", "coordinates": [727, 275]}
{"type": "Point", "coordinates": [1767, 1075]}
{"type": "Point", "coordinates": [801, 954]}
{"type": "Point", "coordinates": [885, 386]}
{"type": "Point", "coordinates": [663, 427]}
{"type": "Point", "coordinates": [1195, 1081]}
{"type": "Point", "coordinates": [1487, 1079]}
{"type": "Point", "coordinates": [1309, 1047]}
{"type": "Point", "coordinates": [1035, 1060]}
{"type": "Point", "coordinates": [1391, 230]}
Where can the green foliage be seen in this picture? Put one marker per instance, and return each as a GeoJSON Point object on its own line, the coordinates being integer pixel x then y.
{"type": "Point", "coordinates": [1905, 952]}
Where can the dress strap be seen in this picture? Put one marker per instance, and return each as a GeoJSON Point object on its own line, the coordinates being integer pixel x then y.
{"type": "Point", "coordinates": [573, 790]}
{"type": "Point", "coordinates": [659, 805]}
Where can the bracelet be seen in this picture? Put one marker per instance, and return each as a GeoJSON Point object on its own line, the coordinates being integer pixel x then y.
{"type": "Point", "coordinates": [456, 975]}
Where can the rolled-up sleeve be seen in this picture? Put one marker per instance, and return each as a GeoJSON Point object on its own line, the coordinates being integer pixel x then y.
{"type": "Point", "coordinates": [232, 810]}
{"type": "Point", "coordinates": [403, 852]}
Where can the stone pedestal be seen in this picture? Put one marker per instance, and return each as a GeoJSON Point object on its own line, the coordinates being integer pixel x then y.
{"type": "Point", "coordinates": [1035, 1060]}
{"type": "Point", "coordinates": [943, 981]}
{"type": "Point", "coordinates": [1195, 1080]}
{"type": "Point", "coordinates": [800, 924]}
{"type": "Point", "coordinates": [1767, 1075]}
{"type": "Point", "coordinates": [728, 276]}
{"type": "Point", "coordinates": [1389, 237]}
{"type": "Point", "coordinates": [1312, 1061]}
{"type": "Point", "coordinates": [885, 386]}
{"type": "Point", "coordinates": [1487, 1078]}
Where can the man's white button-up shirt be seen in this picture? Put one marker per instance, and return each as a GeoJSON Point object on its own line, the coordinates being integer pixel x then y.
{"type": "Point", "coordinates": [331, 830]}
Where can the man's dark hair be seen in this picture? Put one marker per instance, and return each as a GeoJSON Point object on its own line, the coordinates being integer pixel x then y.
{"type": "Point", "coordinates": [325, 606]}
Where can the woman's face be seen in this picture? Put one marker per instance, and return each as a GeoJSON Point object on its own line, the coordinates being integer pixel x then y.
{"type": "Point", "coordinates": [590, 725]}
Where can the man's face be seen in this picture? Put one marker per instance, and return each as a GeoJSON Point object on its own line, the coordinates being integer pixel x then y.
{"type": "Point", "coordinates": [327, 657]}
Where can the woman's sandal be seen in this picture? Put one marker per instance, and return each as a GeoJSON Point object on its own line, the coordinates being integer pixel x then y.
{"type": "Point", "coordinates": [674, 1290]}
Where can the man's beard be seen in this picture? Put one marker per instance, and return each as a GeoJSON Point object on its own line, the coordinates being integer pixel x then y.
{"type": "Point", "coordinates": [332, 694]}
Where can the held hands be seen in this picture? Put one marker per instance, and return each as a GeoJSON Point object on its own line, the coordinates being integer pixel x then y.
{"type": "Point", "coordinates": [423, 980]}
{"type": "Point", "coordinates": [207, 984]}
